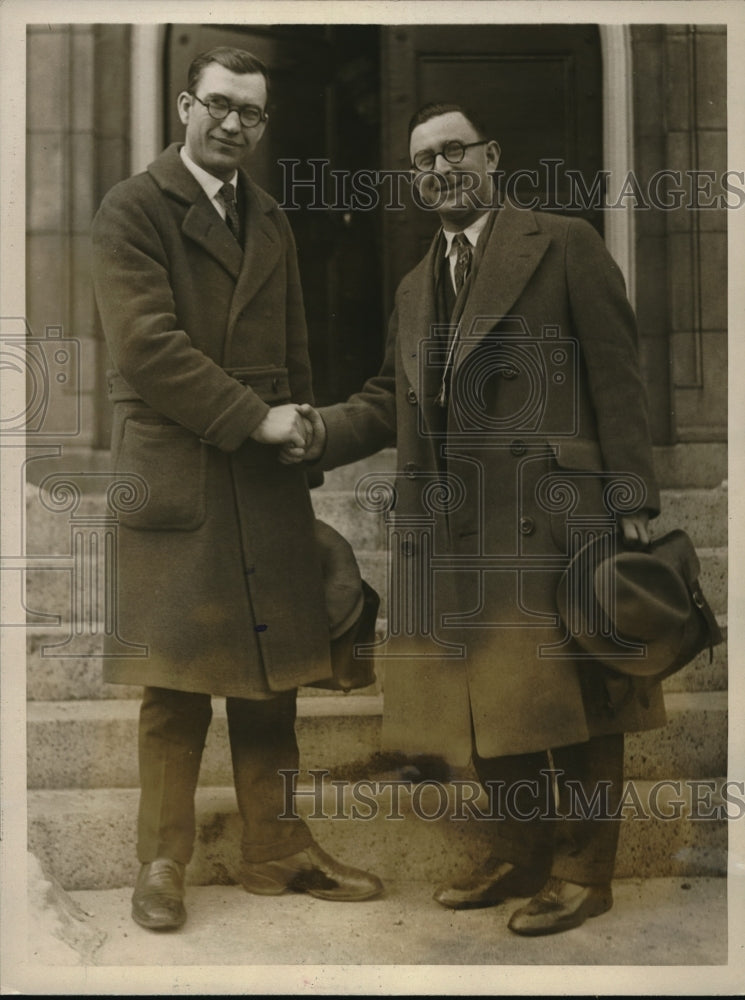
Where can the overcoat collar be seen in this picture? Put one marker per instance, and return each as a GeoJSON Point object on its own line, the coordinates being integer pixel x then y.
{"type": "Point", "coordinates": [249, 267]}
{"type": "Point", "coordinates": [514, 250]}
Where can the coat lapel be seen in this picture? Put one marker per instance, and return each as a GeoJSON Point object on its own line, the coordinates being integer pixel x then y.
{"type": "Point", "coordinates": [249, 266]}
{"type": "Point", "coordinates": [416, 318]}
{"type": "Point", "coordinates": [204, 226]}
{"type": "Point", "coordinates": [514, 251]}
{"type": "Point", "coordinates": [262, 246]}
{"type": "Point", "coordinates": [201, 223]}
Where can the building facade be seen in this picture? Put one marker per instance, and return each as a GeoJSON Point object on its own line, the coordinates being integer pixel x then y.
{"type": "Point", "coordinates": [640, 110]}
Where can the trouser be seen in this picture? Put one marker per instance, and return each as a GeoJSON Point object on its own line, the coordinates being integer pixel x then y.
{"type": "Point", "coordinates": [173, 730]}
{"type": "Point", "coordinates": [571, 838]}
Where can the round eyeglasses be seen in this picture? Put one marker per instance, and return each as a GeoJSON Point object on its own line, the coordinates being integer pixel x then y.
{"type": "Point", "coordinates": [219, 109]}
{"type": "Point", "coordinates": [453, 151]}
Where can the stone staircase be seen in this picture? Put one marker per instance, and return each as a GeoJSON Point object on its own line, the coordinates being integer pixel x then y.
{"type": "Point", "coordinates": [82, 744]}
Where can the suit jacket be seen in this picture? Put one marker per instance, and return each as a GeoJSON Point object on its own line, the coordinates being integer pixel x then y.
{"type": "Point", "coordinates": [219, 577]}
{"type": "Point", "coordinates": [544, 433]}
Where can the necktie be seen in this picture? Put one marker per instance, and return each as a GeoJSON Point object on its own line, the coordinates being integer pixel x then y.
{"type": "Point", "coordinates": [227, 193]}
{"type": "Point", "coordinates": [463, 260]}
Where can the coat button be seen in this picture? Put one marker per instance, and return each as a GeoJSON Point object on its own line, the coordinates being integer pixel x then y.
{"type": "Point", "coordinates": [527, 525]}
{"type": "Point", "coordinates": [410, 470]}
{"type": "Point", "coordinates": [411, 396]}
{"type": "Point", "coordinates": [517, 448]}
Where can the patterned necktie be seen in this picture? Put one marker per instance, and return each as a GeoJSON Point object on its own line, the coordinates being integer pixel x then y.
{"type": "Point", "coordinates": [463, 260]}
{"type": "Point", "coordinates": [227, 194]}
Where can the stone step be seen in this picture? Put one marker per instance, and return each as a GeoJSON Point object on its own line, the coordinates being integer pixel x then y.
{"type": "Point", "coordinates": [700, 512]}
{"type": "Point", "coordinates": [86, 839]}
{"type": "Point", "coordinates": [684, 466]}
{"type": "Point", "coordinates": [50, 677]}
{"type": "Point", "coordinates": [48, 591]}
{"type": "Point", "coordinates": [703, 513]}
{"type": "Point", "coordinates": [93, 744]}
{"type": "Point", "coordinates": [691, 464]}
{"type": "Point", "coordinates": [53, 677]}
{"type": "Point", "coordinates": [688, 464]}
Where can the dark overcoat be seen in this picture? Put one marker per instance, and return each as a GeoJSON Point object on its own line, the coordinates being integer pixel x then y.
{"type": "Point", "coordinates": [218, 572]}
{"type": "Point", "coordinates": [544, 435]}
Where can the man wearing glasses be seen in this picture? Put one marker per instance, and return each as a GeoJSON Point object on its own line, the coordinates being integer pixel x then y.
{"type": "Point", "coordinates": [219, 580]}
{"type": "Point", "coordinates": [511, 389]}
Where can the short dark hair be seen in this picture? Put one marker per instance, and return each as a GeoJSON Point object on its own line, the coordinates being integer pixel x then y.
{"type": "Point", "coordinates": [436, 108]}
{"type": "Point", "coordinates": [236, 60]}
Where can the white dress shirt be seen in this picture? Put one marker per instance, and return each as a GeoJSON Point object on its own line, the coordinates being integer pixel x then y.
{"type": "Point", "coordinates": [209, 183]}
{"type": "Point", "coordinates": [472, 234]}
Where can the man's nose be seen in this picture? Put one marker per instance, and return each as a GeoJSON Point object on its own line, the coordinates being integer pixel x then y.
{"type": "Point", "coordinates": [231, 122]}
{"type": "Point", "coordinates": [444, 166]}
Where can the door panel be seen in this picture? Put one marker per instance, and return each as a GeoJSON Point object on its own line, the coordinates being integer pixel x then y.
{"type": "Point", "coordinates": [537, 88]}
{"type": "Point", "coordinates": [324, 105]}
{"type": "Point", "coordinates": [345, 93]}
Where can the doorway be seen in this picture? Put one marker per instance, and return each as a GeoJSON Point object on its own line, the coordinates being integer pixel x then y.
{"type": "Point", "coordinates": [343, 95]}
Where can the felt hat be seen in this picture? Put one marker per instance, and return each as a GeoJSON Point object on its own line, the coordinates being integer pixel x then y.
{"type": "Point", "coordinates": [641, 612]}
{"type": "Point", "coordinates": [351, 605]}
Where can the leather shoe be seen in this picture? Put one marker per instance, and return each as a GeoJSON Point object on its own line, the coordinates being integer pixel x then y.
{"type": "Point", "coordinates": [158, 899]}
{"type": "Point", "coordinates": [312, 871]}
{"type": "Point", "coordinates": [559, 906]}
{"type": "Point", "coordinates": [488, 885]}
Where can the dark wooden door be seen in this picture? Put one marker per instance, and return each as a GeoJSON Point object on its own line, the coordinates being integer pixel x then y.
{"type": "Point", "coordinates": [324, 107]}
{"type": "Point", "coordinates": [344, 94]}
{"type": "Point", "coordinates": [536, 87]}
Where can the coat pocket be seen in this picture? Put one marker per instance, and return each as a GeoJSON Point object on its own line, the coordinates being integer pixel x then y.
{"type": "Point", "coordinates": [172, 463]}
{"type": "Point", "coordinates": [576, 483]}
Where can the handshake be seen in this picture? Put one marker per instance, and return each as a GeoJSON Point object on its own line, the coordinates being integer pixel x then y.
{"type": "Point", "coordinates": [297, 428]}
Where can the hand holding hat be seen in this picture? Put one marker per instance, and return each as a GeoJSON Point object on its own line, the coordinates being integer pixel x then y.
{"type": "Point", "coordinates": [640, 612]}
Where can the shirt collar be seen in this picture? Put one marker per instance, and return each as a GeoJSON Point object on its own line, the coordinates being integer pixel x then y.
{"type": "Point", "coordinates": [472, 233]}
{"type": "Point", "coordinates": [208, 181]}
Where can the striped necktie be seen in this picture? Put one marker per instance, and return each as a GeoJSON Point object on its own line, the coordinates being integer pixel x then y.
{"type": "Point", "coordinates": [227, 194]}
{"type": "Point", "coordinates": [463, 260]}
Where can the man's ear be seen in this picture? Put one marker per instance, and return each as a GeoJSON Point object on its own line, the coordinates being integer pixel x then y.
{"type": "Point", "coordinates": [184, 101]}
{"type": "Point", "coordinates": [493, 153]}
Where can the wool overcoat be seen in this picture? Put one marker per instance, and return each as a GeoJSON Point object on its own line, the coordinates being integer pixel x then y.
{"type": "Point", "coordinates": [219, 576]}
{"type": "Point", "coordinates": [543, 439]}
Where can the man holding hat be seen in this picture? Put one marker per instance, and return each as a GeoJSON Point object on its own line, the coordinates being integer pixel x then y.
{"type": "Point", "coordinates": [511, 388]}
{"type": "Point", "coordinates": [220, 576]}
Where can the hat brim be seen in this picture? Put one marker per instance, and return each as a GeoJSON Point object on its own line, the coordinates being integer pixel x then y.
{"type": "Point", "coordinates": [342, 582]}
{"type": "Point", "coordinates": [593, 631]}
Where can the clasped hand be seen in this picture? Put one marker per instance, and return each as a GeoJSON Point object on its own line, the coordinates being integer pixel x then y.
{"type": "Point", "coordinates": [298, 429]}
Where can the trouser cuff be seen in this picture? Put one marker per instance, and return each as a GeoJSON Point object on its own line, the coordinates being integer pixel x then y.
{"type": "Point", "coordinates": [297, 839]}
{"type": "Point", "coordinates": [583, 873]}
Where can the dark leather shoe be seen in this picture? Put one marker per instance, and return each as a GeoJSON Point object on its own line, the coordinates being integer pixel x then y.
{"type": "Point", "coordinates": [312, 871]}
{"type": "Point", "coordinates": [488, 885]}
{"type": "Point", "coordinates": [559, 906]}
{"type": "Point", "coordinates": [158, 899]}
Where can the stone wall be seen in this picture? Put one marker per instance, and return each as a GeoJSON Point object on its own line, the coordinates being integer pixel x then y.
{"type": "Point", "coordinates": [680, 119]}
{"type": "Point", "coordinates": [78, 134]}
{"type": "Point", "coordinates": [77, 147]}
